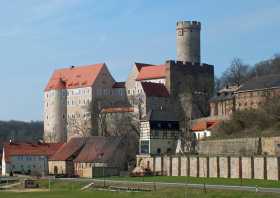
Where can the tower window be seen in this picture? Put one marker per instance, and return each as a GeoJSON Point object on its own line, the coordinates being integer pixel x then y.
{"type": "Point", "coordinates": [180, 32]}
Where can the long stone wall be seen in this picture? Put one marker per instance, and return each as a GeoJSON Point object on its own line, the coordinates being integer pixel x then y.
{"type": "Point", "coordinates": [246, 167]}
{"type": "Point", "coordinates": [241, 146]}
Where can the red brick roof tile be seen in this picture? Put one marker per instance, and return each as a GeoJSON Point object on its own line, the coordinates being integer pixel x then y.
{"type": "Point", "coordinates": [70, 149]}
{"type": "Point", "coordinates": [204, 125]}
{"type": "Point", "coordinates": [74, 77]}
{"type": "Point", "coordinates": [19, 149]}
{"type": "Point", "coordinates": [100, 149]}
{"type": "Point", "coordinates": [140, 65]}
{"type": "Point", "coordinates": [152, 72]}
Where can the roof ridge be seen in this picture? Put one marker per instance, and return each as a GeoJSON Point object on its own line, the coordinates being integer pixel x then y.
{"type": "Point", "coordinates": [79, 66]}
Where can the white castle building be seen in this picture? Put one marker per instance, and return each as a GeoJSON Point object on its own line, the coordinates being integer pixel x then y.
{"type": "Point", "coordinates": [68, 96]}
{"type": "Point", "coordinates": [80, 93]}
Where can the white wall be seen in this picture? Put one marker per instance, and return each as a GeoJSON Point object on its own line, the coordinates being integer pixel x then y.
{"type": "Point", "coordinates": [202, 134]}
{"type": "Point", "coordinates": [3, 163]}
{"type": "Point", "coordinates": [36, 164]}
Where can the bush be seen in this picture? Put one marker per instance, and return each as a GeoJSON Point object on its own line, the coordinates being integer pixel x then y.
{"type": "Point", "coordinates": [252, 122]}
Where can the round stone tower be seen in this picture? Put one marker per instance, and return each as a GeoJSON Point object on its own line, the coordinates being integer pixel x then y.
{"type": "Point", "coordinates": [188, 41]}
{"type": "Point", "coordinates": [59, 115]}
{"type": "Point", "coordinates": [55, 113]}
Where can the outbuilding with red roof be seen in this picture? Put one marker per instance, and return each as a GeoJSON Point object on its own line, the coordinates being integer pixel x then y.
{"type": "Point", "coordinates": [27, 158]}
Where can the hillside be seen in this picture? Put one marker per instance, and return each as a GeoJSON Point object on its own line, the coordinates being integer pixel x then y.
{"type": "Point", "coordinates": [261, 122]}
{"type": "Point", "coordinates": [21, 131]}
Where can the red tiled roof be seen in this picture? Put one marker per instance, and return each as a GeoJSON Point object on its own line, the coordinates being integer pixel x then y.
{"type": "Point", "coordinates": [119, 85]}
{"type": "Point", "coordinates": [204, 125]}
{"type": "Point", "coordinates": [118, 110]}
{"type": "Point", "coordinates": [155, 89]}
{"type": "Point", "coordinates": [140, 65]}
{"type": "Point", "coordinates": [152, 72]}
{"type": "Point", "coordinates": [100, 149]}
{"type": "Point", "coordinates": [18, 149]}
{"type": "Point", "coordinates": [70, 149]}
{"type": "Point", "coordinates": [73, 77]}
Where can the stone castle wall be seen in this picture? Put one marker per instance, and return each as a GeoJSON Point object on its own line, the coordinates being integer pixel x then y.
{"type": "Point", "coordinates": [195, 81]}
{"type": "Point", "coordinates": [246, 167]}
{"type": "Point", "coordinates": [240, 146]}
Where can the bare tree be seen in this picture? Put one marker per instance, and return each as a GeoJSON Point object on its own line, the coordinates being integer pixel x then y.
{"type": "Point", "coordinates": [185, 117]}
{"type": "Point", "coordinates": [79, 126]}
{"type": "Point", "coordinates": [187, 104]}
{"type": "Point", "coordinates": [50, 137]}
{"type": "Point", "coordinates": [97, 118]}
{"type": "Point", "coordinates": [236, 74]}
{"type": "Point", "coordinates": [123, 123]}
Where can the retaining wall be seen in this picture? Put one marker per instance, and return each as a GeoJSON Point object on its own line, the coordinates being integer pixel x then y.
{"type": "Point", "coordinates": [247, 167]}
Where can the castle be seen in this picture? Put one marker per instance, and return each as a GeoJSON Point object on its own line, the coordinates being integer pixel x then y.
{"type": "Point", "coordinates": [181, 88]}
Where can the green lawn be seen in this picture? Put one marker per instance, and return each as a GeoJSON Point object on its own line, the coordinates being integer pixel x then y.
{"type": "Point", "coordinates": [71, 189]}
{"type": "Point", "coordinates": [167, 193]}
{"type": "Point", "coordinates": [58, 185]}
{"type": "Point", "coordinates": [194, 180]}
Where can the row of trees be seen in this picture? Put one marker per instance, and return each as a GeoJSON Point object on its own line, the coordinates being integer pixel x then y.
{"type": "Point", "coordinates": [21, 131]}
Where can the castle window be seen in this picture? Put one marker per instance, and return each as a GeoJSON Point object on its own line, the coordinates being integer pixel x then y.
{"type": "Point", "coordinates": [180, 32]}
{"type": "Point", "coordinates": [158, 151]}
{"type": "Point", "coordinates": [156, 133]}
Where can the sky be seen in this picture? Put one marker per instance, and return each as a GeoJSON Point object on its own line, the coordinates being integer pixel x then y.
{"type": "Point", "coordinates": [39, 36]}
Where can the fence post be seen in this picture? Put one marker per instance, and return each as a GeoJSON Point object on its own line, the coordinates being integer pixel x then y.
{"type": "Point", "coordinates": [218, 167]}
{"type": "Point", "coordinates": [197, 166]}
{"type": "Point", "coordinates": [265, 167]}
{"type": "Point", "coordinates": [188, 168]}
{"type": "Point", "coordinates": [170, 166]}
{"type": "Point", "coordinates": [154, 164]}
{"type": "Point", "coordinates": [240, 169]}
{"type": "Point", "coordinates": [208, 167]}
{"type": "Point", "coordinates": [278, 162]}
{"type": "Point", "coordinates": [161, 165]}
{"type": "Point", "coordinates": [252, 167]}
{"type": "Point", "coordinates": [229, 166]}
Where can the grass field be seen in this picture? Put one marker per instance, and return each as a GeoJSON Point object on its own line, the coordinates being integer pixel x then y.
{"type": "Point", "coordinates": [71, 189]}
{"type": "Point", "coordinates": [219, 181]}
{"type": "Point", "coordinates": [167, 193]}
